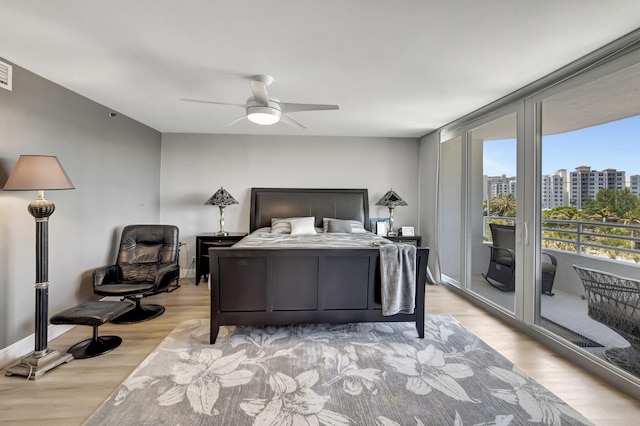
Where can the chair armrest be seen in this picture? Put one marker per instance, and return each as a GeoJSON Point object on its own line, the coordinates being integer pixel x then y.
{"type": "Point", "coordinates": [553, 259]}
{"type": "Point", "coordinates": [106, 275]}
{"type": "Point", "coordinates": [512, 253]}
{"type": "Point", "coordinates": [165, 276]}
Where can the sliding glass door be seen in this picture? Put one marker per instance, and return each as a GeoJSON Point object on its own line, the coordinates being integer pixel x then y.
{"type": "Point", "coordinates": [491, 210]}
{"type": "Point", "coordinates": [557, 172]}
{"type": "Point", "coordinates": [477, 194]}
{"type": "Point", "coordinates": [590, 182]}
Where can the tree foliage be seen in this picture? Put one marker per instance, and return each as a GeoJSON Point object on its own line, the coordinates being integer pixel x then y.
{"type": "Point", "coordinates": [610, 205]}
{"type": "Point", "coordinates": [564, 213]}
{"type": "Point", "coordinates": [501, 205]}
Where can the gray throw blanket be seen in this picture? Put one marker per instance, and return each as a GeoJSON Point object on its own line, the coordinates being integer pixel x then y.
{"type": "Point", "coordinates": [398, 278]}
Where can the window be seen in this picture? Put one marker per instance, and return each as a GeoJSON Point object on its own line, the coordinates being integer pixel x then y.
{"type": "Point", "coordinates": [579, 155]}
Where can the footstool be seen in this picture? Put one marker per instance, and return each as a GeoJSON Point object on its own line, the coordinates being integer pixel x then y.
{"type": "Point", "coordinates": [93, 314]}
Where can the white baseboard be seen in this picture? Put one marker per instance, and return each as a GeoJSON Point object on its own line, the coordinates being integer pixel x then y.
{"type": "Point", "coordinates": [14, 352]}
{"type": "Point", "coordinates": [23, 347]}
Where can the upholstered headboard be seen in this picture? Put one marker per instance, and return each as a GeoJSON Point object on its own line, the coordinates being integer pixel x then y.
{"type": "Point", "coordinates": [267, 203]}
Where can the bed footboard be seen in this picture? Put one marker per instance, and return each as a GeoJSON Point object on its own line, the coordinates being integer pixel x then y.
{"type": "Point", "coordinates": [294, 286]}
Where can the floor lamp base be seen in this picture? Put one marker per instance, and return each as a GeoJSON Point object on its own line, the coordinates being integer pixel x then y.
{"type": "Point", "coordinates": [33, 367]}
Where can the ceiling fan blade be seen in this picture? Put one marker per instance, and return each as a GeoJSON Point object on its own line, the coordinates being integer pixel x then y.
{"type": "Point", "coordinates": [259, 90]}
{"type": "Point", "coordinates": [236, 121]}
{"type": "Point", "coordinates": [211, 102]}
{"type": "Point", "coordinates": [288, 107]}
{"type": "Point", "coordinates": [287, 119]}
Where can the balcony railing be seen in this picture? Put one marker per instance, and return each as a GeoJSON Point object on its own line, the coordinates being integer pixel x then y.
{"type": "Point", "coordinates": [603, 239]}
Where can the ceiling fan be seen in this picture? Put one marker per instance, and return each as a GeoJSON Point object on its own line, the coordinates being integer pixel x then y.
{"type": "Point", "coordinates": [261, 109]}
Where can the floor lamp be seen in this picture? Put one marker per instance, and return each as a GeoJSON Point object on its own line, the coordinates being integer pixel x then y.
{"type": "Point", "coordinates": [39, 173]}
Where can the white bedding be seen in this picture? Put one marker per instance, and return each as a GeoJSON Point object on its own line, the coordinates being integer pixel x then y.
{"type": "Point", "coordinates": [263, 238]}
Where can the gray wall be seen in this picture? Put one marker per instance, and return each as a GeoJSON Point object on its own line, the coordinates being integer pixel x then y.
{"type": "Point", "coordinates": [194, 166]}
{"type": "Point", "coordinates": [115, 166]}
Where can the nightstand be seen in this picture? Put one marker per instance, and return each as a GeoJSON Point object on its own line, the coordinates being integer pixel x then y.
{"type": "Point", "coordinates": [204, 241]}
{"type": "Point", "coordinates": [416, 240]}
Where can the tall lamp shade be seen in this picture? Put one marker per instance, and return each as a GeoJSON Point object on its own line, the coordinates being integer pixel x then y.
{"type": "Point", "coordinates": [39, 173]}
{"type": "Point", "coordinates": [222, 199]}
{"type": "Point", "coordinates": [391, 200]}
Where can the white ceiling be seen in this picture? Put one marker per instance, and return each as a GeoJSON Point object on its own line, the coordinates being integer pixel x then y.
{"type": "Point", "coordinates": [395, 68]}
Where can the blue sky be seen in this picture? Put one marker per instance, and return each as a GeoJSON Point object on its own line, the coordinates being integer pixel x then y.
{"type": "Point", "coordinates": [613, 145]}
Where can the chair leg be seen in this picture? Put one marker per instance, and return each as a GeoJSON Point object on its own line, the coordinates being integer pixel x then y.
{"type": "Point", "coordinates": [94, 346]}
{"type": "Point", "coordinates": [139, 313]}
{"type": "Point", "coordinates": [547, 283]}
{"type": "Point", "coordinates": [627, 358]}
{"type": "Point", "coordinates": [500, 277]}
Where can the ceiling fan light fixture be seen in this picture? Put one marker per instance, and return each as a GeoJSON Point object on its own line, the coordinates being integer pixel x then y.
{"type": "Point", "coordinates": [263, 110]}
{"type": "Point", "coordinates": [263, 115]}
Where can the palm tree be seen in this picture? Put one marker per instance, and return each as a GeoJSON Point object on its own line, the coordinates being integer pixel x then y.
{"type": "Point", "coordinates": [503, 205]}
{"type": "Point", "coordinates": [630, 218]}
{"type": "Point", "coordinates": [603, 214]}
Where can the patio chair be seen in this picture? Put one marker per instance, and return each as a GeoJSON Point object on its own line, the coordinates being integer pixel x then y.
{"type": "Point", "coordinates": [615, 302]}
{"type": "Point", "coordinates": [502, 265]}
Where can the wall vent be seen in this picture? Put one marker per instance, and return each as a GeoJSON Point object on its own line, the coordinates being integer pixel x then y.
{"type": "Point", "coordinates": [6, 71]}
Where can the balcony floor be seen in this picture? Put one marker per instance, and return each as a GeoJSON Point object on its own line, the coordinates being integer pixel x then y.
{"type": "Point", "coordinates": [565, 309]}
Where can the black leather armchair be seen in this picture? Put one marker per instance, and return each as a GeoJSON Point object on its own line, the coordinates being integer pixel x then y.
{"type": "Point", "coordinates": [147, 264]}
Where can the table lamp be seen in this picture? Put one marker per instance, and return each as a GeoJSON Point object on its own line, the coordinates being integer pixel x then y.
{"type": "Point", "coordinates": [391, 200]}
{"type": "Point", "coordinates": [222, 199]}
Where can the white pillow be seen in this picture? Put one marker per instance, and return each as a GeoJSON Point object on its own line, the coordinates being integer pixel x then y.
{"type": "Point", "coordinates": [303, 226]}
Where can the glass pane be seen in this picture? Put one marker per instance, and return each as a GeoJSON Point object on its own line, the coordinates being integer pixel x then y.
{"type": "Point", "coordinates": [492, 210]}
{"type": "Point", "coordinates": [591, 215]}
{"type": "Point", "coordinates": [449, 209]}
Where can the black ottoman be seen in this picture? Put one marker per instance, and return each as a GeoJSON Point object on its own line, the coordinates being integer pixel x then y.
{"type": "Point", "coordinates": [93, 314]}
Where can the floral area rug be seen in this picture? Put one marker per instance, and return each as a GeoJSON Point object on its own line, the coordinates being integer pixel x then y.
{"type": "Point", "coordinates": [353, 374]}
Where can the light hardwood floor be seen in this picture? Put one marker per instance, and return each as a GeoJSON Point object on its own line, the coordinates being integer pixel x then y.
{"type": "Point", "coordinates": [71, 392]}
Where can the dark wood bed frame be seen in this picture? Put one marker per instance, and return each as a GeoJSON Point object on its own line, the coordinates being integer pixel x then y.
{"type": "Point", "coordinates": [295, 286]}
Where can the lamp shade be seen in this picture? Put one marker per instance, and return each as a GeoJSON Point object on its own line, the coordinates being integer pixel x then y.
{"type": "Point", "coordinates": [391, 199]}
{"type": "Point", "coordinates": [38, 173]}
{"type": "Point", "coordinates": [221, 198]}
